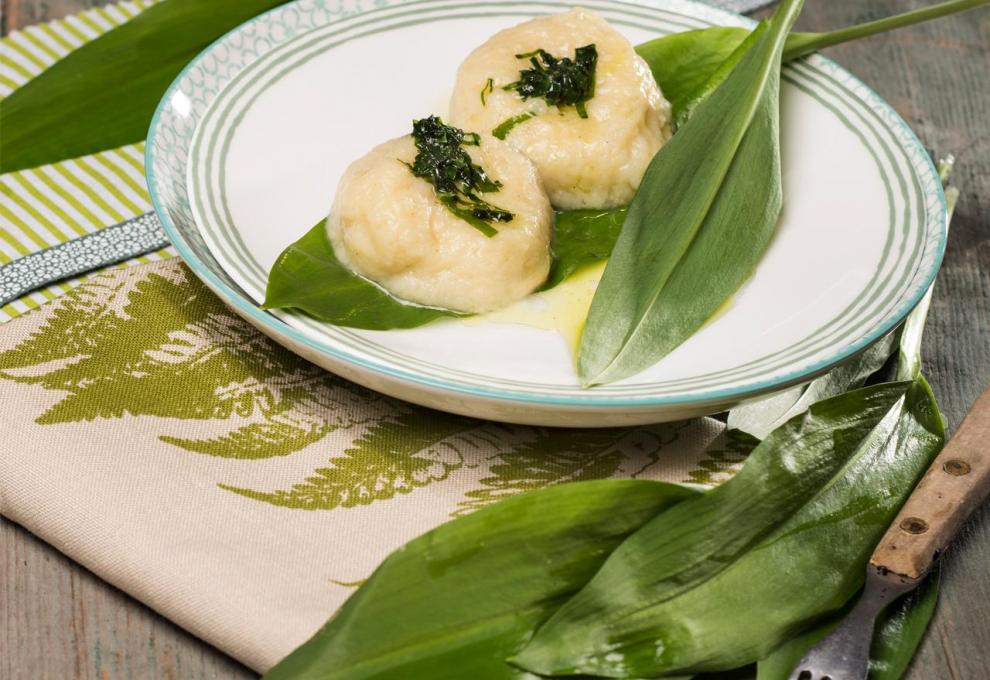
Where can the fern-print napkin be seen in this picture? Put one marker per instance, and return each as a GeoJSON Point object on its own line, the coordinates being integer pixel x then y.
{"type": "Point", "coordinates": [157, 439]}
{"type": "Point", "coordinates": [168, 446]}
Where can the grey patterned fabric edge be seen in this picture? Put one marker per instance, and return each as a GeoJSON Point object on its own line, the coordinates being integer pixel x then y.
{"type": "Point", "coordinates": [135, 237]}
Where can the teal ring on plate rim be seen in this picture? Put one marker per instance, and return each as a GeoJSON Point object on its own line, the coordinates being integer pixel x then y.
{"type": "Point", "coordinates": [196, 255]}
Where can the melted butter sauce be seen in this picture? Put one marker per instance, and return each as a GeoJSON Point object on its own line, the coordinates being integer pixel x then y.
{"type": "Point", "coordinates": [563, 308]}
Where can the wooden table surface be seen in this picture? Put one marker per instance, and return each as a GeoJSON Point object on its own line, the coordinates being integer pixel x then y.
{"type": "Point", "coordinates": [59, 621]}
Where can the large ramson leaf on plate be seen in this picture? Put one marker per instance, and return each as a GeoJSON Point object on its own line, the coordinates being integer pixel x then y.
{"type": "Point", "coordinates": [699, 222]}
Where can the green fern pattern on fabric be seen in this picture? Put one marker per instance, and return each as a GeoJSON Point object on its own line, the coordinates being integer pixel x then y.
{"type": "Point", "coordinates": [556, 456]}
{"type": "Point", "coordinates": [147, 344]}
{"type": "Point", "coordinates": [395, 456]}
{"type": "Point", "coordinates": [156, 342]}
{"type": "Point", "coordinates": [723, 458]}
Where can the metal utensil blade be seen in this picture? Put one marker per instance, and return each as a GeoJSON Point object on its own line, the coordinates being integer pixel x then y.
{"type": "Point", "coordinates": [844, 654]}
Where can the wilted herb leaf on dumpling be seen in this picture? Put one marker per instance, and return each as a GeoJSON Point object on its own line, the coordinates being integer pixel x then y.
{"type": "Point", "coordinates": [444, 218]}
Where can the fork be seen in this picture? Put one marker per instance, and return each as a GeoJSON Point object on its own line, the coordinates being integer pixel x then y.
{"type": "Point", "coordinates": [957, 482]}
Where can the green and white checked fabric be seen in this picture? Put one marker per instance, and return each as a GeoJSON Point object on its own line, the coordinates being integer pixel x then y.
{"type": "Point", "coordinates": [44, 206]}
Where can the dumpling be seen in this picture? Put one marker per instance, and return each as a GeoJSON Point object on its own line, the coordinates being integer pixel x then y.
{"type": "Point", "coordinates": [390, 226]}
{"type": "Point", "coordinates": [593, 162]}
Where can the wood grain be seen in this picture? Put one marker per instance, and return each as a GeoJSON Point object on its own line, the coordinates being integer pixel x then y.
{"type": "Point", "coordinates": [59, 621]}
{"type": "Point", "coordinates": [957, 483]}
{"type": "Point", "coordinates": [18, 13]}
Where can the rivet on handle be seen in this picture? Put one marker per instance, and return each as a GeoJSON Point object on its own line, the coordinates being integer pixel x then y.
{"type": "Point", "coordinates": [914, 525]}
{"type": "Point", "coordinates": [956, 467]}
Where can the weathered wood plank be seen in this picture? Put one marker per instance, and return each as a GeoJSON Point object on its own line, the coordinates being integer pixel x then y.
{"type": "Point", "coordinates": [19, 13]}
{"type": "Point", "coordinates": [57, 620]}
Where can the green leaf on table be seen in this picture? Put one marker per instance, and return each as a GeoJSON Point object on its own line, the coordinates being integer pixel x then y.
{"type": "Point", "coordinates": [455, 602]}
{"type": "Point", "coordinates": [901, 630]}
{"type": "Point", "coordinates": [723, 579]}
{"type": "Point", "coordinates": [308, 276]}
{"type": "Point", "coordinates": [897, 635]}
{"type": "Point", "coordinates": [761, 417]}
{"type": "Point", "coordinates": [103, 94]}
{"type": "Point", "coordinates": [702, 217]}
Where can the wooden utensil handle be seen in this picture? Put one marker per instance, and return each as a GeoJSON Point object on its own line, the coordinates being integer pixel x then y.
{"type": "Point", "coordinates": [957, 482]}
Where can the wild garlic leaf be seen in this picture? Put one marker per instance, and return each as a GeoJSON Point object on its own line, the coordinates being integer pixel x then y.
{"type": "Point", "coordinates": [455, 602]}
{"type": "Point", "coordinates": [717, 77]}
{"type": "Point", "coordinates": [103, 94]}
{"type": "Point", "coordinates": [309, 277]}
{"type": "Point", "coordinates": [689, 65]}
{"type": "Point", "coordinates": [761, 417]}
{"type": "Point", "coordinates": [901, 629]}
{"type": "Point", "coordinates": [682, 62]}
{"type": "Point", "coordinates": [713, 190]}
{"type": "Point", "coordinates": [721, 580]}
{"type": "Point", "coordinates": [582, 238]}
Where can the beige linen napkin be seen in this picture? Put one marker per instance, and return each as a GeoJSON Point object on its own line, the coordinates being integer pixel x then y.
{"type": "Point", "coordinates": [168, 446]}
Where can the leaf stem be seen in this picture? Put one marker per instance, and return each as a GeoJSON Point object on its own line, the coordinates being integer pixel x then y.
{"type": "Point", "coordinates": [802, 44]}
{"type": "Point", "coordinates": [909, 361]}
{"type": "Point", "coordinates": [503, 128]}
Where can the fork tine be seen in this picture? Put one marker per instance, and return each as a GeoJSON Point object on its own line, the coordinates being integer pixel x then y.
{"type": "Point", "coordinates": [844, 654]}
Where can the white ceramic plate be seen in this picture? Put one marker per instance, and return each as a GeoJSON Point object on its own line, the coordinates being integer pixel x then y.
{"type": "Point", "coordinates": [247, 147]}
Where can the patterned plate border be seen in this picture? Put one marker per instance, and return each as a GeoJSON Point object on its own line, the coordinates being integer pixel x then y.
{"type": "Point", "coordinates": [188, 103]}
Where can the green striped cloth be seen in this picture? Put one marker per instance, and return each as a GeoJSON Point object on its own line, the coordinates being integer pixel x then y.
{"type": "Point", "coordinates": [47, 205]}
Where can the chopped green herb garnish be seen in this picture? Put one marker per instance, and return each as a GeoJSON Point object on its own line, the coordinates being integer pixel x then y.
{"type": "Point", "coordinates": [486, 90]}
{"type": "Point", "coordinates": [505, 126]}
{"type": "Point", "coordinates": [455, 178]}
{"type": "Point", "coordinates": [558, 81]}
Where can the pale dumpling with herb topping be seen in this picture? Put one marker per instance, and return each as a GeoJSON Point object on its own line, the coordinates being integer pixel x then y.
{"type": "Point", "coordinates": [391, 226]}
{"type": "Point", "coordinates": [592, 162]}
